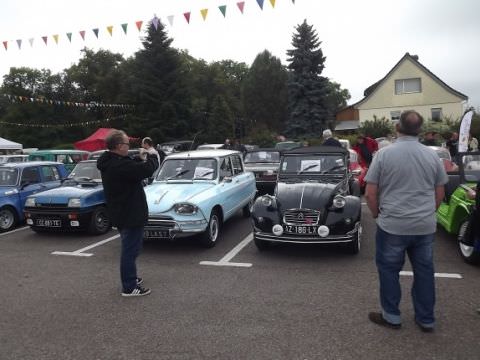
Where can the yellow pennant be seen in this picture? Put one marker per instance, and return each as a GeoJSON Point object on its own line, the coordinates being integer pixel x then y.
{"type": "Point", "coordinates": [55, 37]}
{"type": "Point", "coordinates": [204, 13]}
{"type": "Point", "coordinates": [273, 3]}
{"type": "Point", "coordinates": [110, 29]}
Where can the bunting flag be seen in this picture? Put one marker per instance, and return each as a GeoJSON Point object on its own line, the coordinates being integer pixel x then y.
{"type": "Point", "coordinates": [110, 29]}
{"type": "Point", "coordinates": [260, 3]}
{"type": "Point", "coordinates": [19, 43]}
{"type": "Point", "coordinates": [139, 25]}
{"type": "Point", "coordinates": [83, 123]}
{"type": "Point", "coordinates": [155, 22]}
{"type": "Point", "coordinates": [187, 16]}
{"type": "Point", "coordinates": [124, 27]}
{"type": "Point", "coordinates": [223, 9]}
{"type": "Point", "coordinates": [204, 13]}
{"type": "Point", "coordinates": [273, 3]}
{"type": "Point", "coordinates": [45, 39]}
{"type": "Point", "coordinates": [170, 19]}
{"type": "Point", "coordinates": [55, 37]}
{"type": "Point", "coordinates": [95, 31]}
{"type": "Point", "coordinates": [241, 5]}
{"type": "Point", "coordinates": [82, 34]}
{"type": "Point", "coordinates": [31, 41]}
{"type": "Point", "coordinates": [5, 43]}
{"type": "Point", "coordinates": [69, 36]}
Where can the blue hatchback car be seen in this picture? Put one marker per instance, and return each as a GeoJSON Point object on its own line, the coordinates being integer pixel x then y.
{"type": "Point", "coordinates": [18, 181]}
{"type": "Point", "coordinates": [77, 205]}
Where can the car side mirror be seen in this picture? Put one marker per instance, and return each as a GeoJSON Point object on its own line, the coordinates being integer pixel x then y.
{"type": "Point", "coordinates": [227, 179]}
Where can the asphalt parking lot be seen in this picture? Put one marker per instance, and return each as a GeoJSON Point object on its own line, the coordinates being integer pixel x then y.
{"type": "Point", "coordinates": [60, 299]}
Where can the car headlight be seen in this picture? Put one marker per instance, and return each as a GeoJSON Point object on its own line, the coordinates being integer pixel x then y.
{"type": "Point", "coordinates": [339, 201]}
{"type": "Point", "coordinates": [185, 209]}
{"type": "Point", "coordinates": [30, 202]}
{"type": "Point", "coordinates": [266, 200]}
{"type": "Point", "coordinates": [74, 202]}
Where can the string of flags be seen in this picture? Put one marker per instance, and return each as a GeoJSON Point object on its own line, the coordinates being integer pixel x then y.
{"type": "Point", "coordinates": [240, 5]}
{"type": "Point", "coordinates": [64, 125]}
{"type": "Point", "coordinates": [42, 100]}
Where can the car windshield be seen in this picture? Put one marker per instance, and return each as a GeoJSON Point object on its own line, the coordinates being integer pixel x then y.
{"type": "Point", "coordinates": [313, 164]}
{"type": "Point", "coordinates": [262, 156]}
{"type": "Point", "coordinates": [471, 166]}
{"type": "Point", "coordinates": [8, 177]}
{"type": "Point", "coordinates": [86, 172]}
{"type": "Point", "coordinates": [188, 169]}
{"type": "Point", "coordinates": [353, 156]}
{"type": "Point", "coordinates": [443, 154]}
{"type": "Point", "coordinates": [167, 147]}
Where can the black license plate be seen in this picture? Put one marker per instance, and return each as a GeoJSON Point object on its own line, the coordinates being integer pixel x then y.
{"type": "Point", "coordinates": [300, 229]}
{"type": "Point", "coordinates": [48, 223]}
{"type": "Point", "coordinates": [155, 234]}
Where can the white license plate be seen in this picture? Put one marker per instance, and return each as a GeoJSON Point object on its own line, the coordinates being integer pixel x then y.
{"type": "Point", "coordinates": [48, 223]}
{"type": "Point", "coordinates": [155, 234]}
{"type": "Point", "coordinates": [301, 230]}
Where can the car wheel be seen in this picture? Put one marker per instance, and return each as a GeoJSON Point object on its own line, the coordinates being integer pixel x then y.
{"type": "Point", "coordinates": [354, 246]}
{"type": "Point", "coordinates": [467, 252]}
{"type": "Point", "coordinates": [262, 245]}
{"type": "Point", "coordinates": [99, 222]}
{"type": "Point", "coordinates": [247, 209]}
{"type": "Point", "coordinates": [210, 236]}
{"type": "Point", "coordinates": [8, 218]}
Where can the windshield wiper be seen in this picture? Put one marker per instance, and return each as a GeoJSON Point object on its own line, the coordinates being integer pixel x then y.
{"type": "Point", "coordinates": [336, 167]}
{"type": "Point", "coordinates": [204, 174]}
{"type": "Point", "coordinates": [307, 168]}
{"type": "Point", "coordinates": [180, 173]}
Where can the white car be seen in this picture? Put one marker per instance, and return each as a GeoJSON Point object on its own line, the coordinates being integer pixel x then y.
{"type": "Point", "coordinates": [210, 147]}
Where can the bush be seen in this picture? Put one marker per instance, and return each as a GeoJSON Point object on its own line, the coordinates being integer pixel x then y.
{"type": "Point", "coordinates": [377, 127]}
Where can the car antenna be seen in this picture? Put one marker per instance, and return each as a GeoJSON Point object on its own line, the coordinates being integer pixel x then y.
{"type": "Point", "coordinates": [193, 141]}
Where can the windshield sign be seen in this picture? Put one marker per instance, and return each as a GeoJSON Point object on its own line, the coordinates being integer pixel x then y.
{"type": "Point", "coordinates": [313, 164]}
{"type": "Point", "coordinates": [188, 169]}
{"type": "Point", "coordinates": [8, 177]}
{"type": "Point", "coordinates": [262, 156]}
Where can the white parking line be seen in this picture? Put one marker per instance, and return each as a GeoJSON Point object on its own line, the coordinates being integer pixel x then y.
{"type": "Point", "coordinates": [80, 252]}
{"type": "Point", "coordinates": [438, 275]}
{"type": "Point", "coordinates": [225, 261]}
{"type": "Point", "coordinates": [13, 231]}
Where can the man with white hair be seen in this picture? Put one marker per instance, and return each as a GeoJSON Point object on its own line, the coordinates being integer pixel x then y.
{"type": "Point", "coordinates": [329, 140]}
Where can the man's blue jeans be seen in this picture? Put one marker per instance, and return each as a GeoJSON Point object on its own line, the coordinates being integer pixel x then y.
{"type": "Point", "coordinates": [132, 239]}
{"type": "Point", "coordinates": [390, 257]}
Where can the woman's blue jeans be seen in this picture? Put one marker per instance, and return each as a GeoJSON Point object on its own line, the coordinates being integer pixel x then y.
{"type": "Point", "coordinates": [132, 240]}
{"type": "Point", "coordinates": [390, 257]}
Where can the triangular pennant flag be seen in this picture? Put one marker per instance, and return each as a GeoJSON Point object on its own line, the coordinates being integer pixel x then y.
{"type": "Point", "coordinates": [204, 13]}
{"type": "Point", "coordinates": [45, 38]}
{"type": "Point", "coordinates": [95, 31]}
{"type": "Point", "coordinates": [82, 34]}
{"type": "Point", "coordinates": [223, 9]}
{"type": "Point", "coordinates": [55, 37]}
{"type": "Point", "coordinates": [69, 36]}
{"type": "Point", "coordinates": [139, 25]}
{"type": "Point", "coordinates": [240, 5]}
{"type": "Point", "coordinates": [19, 43]}
{"type": "Point", "coordinates": [187, 16]}
{"type": "Point", "coordinates": [110, 29]}
{"type": "Point", "coordinates": [31, 41]}
{"type": "Point", "coordinates": [155, 22]}
{"type": "Point", "coordinates": [170, 19]}
{"type": "Point", "coordinates": [260, 3]}
{"type": "Point", "coordinates": [5, 43]}
{"type": "Point", "coordinates": [273, 3]}
{"type": "Point", "coordinates": [124, 27]}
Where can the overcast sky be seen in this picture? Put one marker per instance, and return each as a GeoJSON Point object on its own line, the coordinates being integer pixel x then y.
{"type": "Point", "coordinates": [362, 40]}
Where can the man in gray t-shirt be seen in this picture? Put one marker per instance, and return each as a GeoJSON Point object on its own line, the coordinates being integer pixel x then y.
{"type": "Point", "coordinates": [405, 185]}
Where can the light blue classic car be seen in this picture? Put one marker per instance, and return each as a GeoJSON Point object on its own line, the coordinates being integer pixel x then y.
{"type": "Point", "coordinates": [195, 192]}
{"type": "Point", "coordinates": [78, 205]}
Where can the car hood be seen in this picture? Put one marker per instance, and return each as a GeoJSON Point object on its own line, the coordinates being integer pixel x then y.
{"type": "Point", "coordinates": [306, 195]}
{"type": "Point", "coordinates": [66, 192]}
{"type": "Point", "coordinates": [162, 196]}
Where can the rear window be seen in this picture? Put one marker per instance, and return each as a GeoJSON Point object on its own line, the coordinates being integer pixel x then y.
{"type": "Point", "coordinates": [262, 156]}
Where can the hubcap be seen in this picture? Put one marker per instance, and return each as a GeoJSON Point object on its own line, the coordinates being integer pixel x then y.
{"type": "Point", "coordinates": [101, 220]}
{"type": "Point", "coordinates": [214, 228]}
{"type": "Point", "coordinates": [466, 250]}
{"type": "Point", "coordinates": [6, 219]}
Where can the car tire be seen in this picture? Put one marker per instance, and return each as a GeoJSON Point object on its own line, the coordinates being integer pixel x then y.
{"type": "Point", "coordinates": [467, 252]}
{"type": "Point", "coordinates": [354, 246]}
{"type": "Point", "coordinates": [247, 209]}
{"type": "Point", "coordinates": [8, 218]}
{"type": "Point", "coordinates": [209, 238]}
{"type": "Point", "coordinates": [262, 245]}
{"type": "Point", "coordinates": [99, 222]}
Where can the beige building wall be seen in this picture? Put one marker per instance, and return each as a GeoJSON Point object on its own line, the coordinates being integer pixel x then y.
{"type": "Point", "coordinates": [451, 110]}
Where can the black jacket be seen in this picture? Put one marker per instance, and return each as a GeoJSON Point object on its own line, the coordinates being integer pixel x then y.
{"type": "Point", "coordinates": [122, 183]}
{"type": "Point", "coordinates": [332, 142]}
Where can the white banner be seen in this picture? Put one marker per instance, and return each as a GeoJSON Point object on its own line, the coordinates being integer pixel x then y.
{"type": "Point", "coordinates": [465, 132]}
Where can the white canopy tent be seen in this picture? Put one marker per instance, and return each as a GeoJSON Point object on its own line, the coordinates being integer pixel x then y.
{"type": "Point", "coordinates": [7, 146]}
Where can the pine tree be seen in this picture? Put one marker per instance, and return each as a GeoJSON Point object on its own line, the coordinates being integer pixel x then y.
{"type": "Point", "coordinates": [309, 110]}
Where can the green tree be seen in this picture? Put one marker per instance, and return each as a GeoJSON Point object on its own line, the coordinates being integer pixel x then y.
{"type": "Point", "coordinates": [309, 108]}
{"type": "Point", "coordinates": [378, 127]}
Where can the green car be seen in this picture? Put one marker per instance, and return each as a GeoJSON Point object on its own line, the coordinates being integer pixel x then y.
{"type": "Point", "coordinates": [68, 157]}
{"type": "Point", "coordinates": [454, 212]}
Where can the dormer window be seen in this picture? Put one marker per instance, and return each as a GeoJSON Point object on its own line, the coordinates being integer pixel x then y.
{"type": "Point", "coordinates": [408, 86]}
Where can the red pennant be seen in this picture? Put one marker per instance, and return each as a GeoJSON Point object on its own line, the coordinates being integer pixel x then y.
{"type": "Point", "coordinates": [187, 17]}
{"type": "Point", "coordinates": [45, 38]}
{"type": "Point", "coordinates": [5, 43]}
{"type": "Point", "coordinates": [82, 34]}
{"type": "Point", "coordinates": [240, 5]}
{"type": "Point", "coordinates": [139, 25]}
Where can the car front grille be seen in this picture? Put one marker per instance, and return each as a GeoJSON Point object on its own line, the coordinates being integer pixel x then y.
{"type": "Point", "coordinates": [301, 217]}
{"type": "Point", "coordinates": [162, 221]}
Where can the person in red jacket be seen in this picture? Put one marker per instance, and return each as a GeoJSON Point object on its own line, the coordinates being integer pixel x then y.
{"type": "Point", "coordinates": [365, 148]}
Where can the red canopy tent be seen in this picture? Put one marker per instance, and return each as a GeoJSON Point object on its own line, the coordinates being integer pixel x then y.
{"type": "Point", "coordinates": [96, 141]}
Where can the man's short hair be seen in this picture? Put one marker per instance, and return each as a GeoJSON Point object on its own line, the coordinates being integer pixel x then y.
{"type": "Point", "coordinates": [327, 133]}
{"type": "Point", "coordinates": [114, 138]}
{"type": "Point", "coordinates": [147, 140]}
{"type": "Point", "coordinates": [410, 123]}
